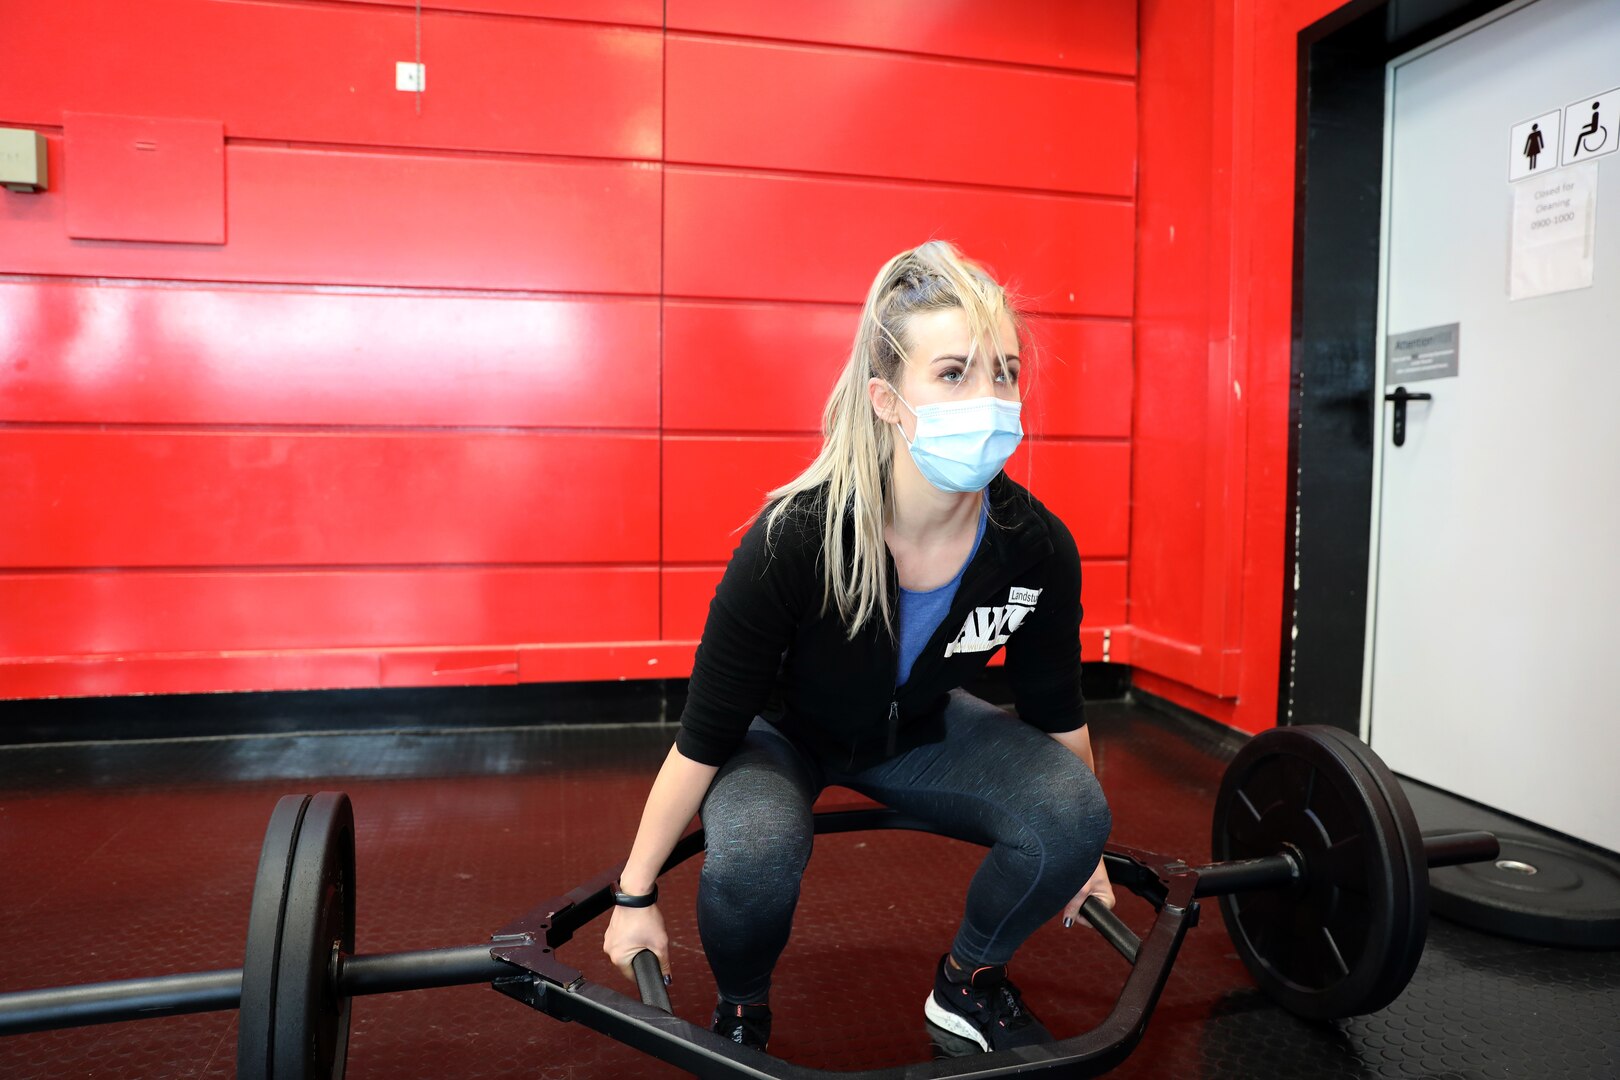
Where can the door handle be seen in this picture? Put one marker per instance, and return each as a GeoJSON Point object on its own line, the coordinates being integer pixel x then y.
{"type": "Point", "coordinates": [1400, 397]}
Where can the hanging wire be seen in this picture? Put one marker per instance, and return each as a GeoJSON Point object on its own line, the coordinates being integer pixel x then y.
{"type": "Point", "coordinates": [421, 81]}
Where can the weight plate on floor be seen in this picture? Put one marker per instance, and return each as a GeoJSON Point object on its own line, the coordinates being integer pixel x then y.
{"type": "Point", "coordinates": [1538, 889]}
{"type": "Point", "coordinates": [256, 1021]}
{"type": "Point", "coordinates": [1345, 939]}
{"type": "Point", "coordinates": [293, 1023]}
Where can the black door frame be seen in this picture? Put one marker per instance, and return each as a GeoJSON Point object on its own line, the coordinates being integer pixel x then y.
{"type": "Point", "coordinates": [1339, 168]}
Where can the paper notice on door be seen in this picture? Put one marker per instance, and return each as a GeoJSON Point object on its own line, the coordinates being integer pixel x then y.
{"type": "Point", "coordinates": [1554, 224]}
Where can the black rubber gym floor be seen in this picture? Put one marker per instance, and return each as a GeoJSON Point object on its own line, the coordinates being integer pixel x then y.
{"type": "Point", "coordinates": [138, 858]}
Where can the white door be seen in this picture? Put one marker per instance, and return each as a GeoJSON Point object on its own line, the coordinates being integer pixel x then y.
{"type": "Point", "coordinates": [1495, 602]}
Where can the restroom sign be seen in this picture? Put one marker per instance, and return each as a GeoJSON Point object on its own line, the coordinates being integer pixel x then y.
{"type": "Point", "coordinates": [1533, 147]}
{"type": "Point", "coordinates": [1591, 128]}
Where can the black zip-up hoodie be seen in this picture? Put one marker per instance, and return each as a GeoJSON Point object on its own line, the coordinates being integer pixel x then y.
{"type": "Point", "coordinates": [768, 649]}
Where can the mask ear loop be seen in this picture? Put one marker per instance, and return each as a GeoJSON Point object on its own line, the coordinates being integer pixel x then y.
{"type": "Point", "coordinates": [909, 443]}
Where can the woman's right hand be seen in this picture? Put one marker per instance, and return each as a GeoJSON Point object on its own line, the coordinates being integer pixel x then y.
{"type": "Point", "coordinates": [674, 799]}
{"type": "Point", "coordinates": [632, 929]}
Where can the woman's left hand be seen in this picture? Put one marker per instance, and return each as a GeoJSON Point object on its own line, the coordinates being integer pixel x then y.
{"type": "Point", "coordinates": [1099, 886]}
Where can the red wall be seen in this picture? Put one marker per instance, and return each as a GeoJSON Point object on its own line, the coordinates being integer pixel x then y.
{"type": "Point", "coordinates": [1213, 329]}
{"type": "Point", "coordinates": [479, 393]}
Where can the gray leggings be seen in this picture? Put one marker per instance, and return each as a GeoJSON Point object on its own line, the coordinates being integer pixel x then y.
{"type": "Point", "coordinates": [993, 779]}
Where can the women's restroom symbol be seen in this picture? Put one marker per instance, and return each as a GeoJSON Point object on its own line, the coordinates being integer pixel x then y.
{"type": "Point", "coordinates": [1533, 145]}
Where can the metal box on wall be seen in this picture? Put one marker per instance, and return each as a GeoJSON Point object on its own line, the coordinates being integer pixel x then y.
{"type": "Point", "coordinates": [23, 160]}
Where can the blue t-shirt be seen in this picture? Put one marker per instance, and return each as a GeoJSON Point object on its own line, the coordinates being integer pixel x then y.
{"type": "Point", "coordinates": [922, 612]}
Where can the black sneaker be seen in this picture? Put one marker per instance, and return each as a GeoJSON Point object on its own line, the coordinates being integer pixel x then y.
{"type": "Point", "coordinates": [747, 1025]}
{"type": "Point", "coordinates": [985, 1013]}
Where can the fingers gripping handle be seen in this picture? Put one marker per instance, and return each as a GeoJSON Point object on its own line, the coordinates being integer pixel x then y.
{"type": "Point", "coordinates": [650, 979]}
{"type": "Point", "coordinates": [1109, 925]}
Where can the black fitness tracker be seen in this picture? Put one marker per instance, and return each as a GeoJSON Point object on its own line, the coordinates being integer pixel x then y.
{"type": "Point", "coordinates": [627, 900]}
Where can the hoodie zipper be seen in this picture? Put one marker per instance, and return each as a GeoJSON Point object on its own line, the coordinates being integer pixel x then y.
{"type": "Point", "coordinates": [999, 579]}
{"type": "Point", "coordinates": [893, 736]}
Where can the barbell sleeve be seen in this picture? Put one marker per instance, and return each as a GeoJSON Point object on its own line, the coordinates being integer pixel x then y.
{"type": "Point", "coordinates": [1450, 849]}
{"type": "Point", "coordinates": [1242, 875]}
{"type": "Point", "coordinates": [89, 1004]}
{"type": "Point", "coordinates": [127, 999]}
{"type": "Point", "coordinates": [387, 973]}
{"type": "Point", "coordinates": [1280, 870]}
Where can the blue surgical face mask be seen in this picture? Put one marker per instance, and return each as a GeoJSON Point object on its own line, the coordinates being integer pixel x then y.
{"type": "Point", "coordinates": [961, 445]}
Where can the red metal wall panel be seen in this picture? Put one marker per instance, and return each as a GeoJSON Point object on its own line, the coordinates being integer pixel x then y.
{"type": "Point", "coordinates": [187, 498]}
{"type": "Point", "coordinates": [167, 673]}
{"type": "Point", "coordinates": [713, 486]}
{"type": "Point", "coordinates": [797, 238]}
{"type": "Point", "coordinates": [752, 367]}
{"type": "Point", "coordinates": [213, 672]}
{"type": "Point", "coordinates": [1086, 484]}
{"type": "Point", "coordinates": [1078, 379]}
{"type": "Point", "coordinates": [1086, 35]}
{"type": "Point", "coordinates": [325, 73]}
{"type": "Point", "coordinates": [782, 106]}
{"type": "Point", "coordinates": [637, 660]}
{"type": "Point", "coordinates": [1214, 345]}
{"type": "Point", "coordinates": [141, 354]}
{"type": "Point", "coordinates": [687, 592]}
{"type": "Point", "coordinates": [187, 611]}
{"type": "Point", "coordinates": [628, 12]}
{"type": "Point", "coordinates": [146, 178]}
{"type": "Point", "coordinates": [1173, 328]}
{"type": "Point", "coordinates": [326, 217]}
{"type": "Point", "coordinates": [1102, 592]}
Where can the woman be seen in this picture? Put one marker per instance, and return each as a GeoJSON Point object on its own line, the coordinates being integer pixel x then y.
{"type": "Point", "coordinates": [868, 620]}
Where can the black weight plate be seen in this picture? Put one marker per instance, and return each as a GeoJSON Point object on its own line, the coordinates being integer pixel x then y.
{"type": "Point", "coordinates": [262, 958]}
{"type": "Point", "coordinates": [302, 1031]}
{"type": "Point", "coordinates": [1346, 939]}
{"type": "Point", "coordinates": [312, 1020]}
{"type": "Point", "coordinates": [1538, 889]}
{"type": "Point", "coordinates": [1413, 926]}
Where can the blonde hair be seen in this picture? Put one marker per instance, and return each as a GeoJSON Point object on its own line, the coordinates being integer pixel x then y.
{"type": "Point", "coordinates": [855, 464]}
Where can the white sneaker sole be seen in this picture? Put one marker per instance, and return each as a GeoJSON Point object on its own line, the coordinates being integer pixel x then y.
{"type": "Point", "coordinates": [954, 1023]}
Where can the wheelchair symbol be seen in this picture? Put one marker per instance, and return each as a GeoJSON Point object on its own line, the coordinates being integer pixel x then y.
{"type": "Point", "coordinates": [1592, 129]}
